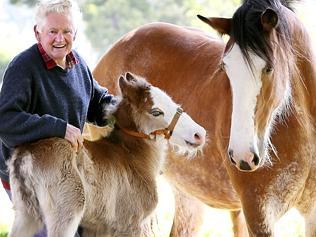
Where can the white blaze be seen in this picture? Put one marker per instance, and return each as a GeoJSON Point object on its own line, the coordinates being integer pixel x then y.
{"type": "Point", "coordinates": [246, 85]}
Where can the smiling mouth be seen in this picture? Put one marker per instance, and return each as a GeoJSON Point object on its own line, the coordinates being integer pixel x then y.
{"type": "Point", "coordinates": [59, 46]}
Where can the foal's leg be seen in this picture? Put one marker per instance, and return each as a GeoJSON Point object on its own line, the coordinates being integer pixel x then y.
{"type": "Point", "coordinates": [27, 221]}
{"type": "Point", "coordinates": [128, 232]}
{"type": "Point", "coordinates": [86, 232]}
{"type": "Point", "coordinates": [188, 216]}
{"type": "Point", "coordinates": [24, 225]}
{"type": "Point", "coordinates": [64, 227]}
{"type": "Point", "coordinates": [63, 205]}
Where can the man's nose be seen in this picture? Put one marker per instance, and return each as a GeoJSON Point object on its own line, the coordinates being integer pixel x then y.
{"type": "Point", "coordinates": [59, 36]}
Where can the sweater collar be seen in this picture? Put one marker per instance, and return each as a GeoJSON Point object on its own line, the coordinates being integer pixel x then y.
{"type": "Point", "coordinates": [71, 60]}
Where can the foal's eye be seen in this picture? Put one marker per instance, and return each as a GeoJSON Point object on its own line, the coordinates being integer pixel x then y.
{"type": "Point", "coordinates": [267, 69]}
{"type": "Point", "coordinates": [156, 112]}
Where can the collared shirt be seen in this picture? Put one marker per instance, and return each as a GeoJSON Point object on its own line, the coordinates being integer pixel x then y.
{"type": "Point", "coordinates": [50, 63]}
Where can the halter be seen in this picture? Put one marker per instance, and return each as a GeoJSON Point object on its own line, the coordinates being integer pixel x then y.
{"type": "Point", "coordinates": [167, 132]}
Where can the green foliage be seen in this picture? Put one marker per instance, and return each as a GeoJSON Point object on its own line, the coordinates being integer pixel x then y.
{"type": "Point", "coordinates": [24, 2]}
{"type": "Point", "coordinates": [107, 20]}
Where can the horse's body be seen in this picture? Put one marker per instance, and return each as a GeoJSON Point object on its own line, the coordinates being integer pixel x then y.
{"type": "Point", "coordinates": [109, 187]}
{"type": "Point", "coordinates": [192, 59]}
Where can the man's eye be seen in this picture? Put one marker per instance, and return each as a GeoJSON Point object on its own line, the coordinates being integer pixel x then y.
{"type": "Point", "coordinates": [68, 32]}
{"type": "Point", "coordinates": [156, 112]}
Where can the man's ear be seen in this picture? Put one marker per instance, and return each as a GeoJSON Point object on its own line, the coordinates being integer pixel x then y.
{"type": "Point", "coordinates": [37, 34]}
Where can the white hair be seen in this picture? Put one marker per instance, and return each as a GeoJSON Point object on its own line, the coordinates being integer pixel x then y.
{"type": "Point", "coordinates": [67, 7]}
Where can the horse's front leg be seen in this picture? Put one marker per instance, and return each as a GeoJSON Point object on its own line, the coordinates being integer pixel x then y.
{"type": "Point", "coordinates": [264, 205]}
{"type": "Point", "coordinates": [239, 223]}
{"type": "Point", "coordinates": [310, 222]}
{"type": "Point", "coordinates": [188, 216]}
{"type": "Point", "coordinates": [260, 217]}
{"type": "Point", "coordinates": [307, 204]}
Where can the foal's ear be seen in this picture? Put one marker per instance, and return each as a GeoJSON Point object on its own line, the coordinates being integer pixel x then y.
{"type": "Point", "coordinates": [122, 82]}
{"type": "Point", "coordinates": [128, 85]}
{"type": "Point", "coordinates": [221, 25]}
{"type": "Point", "coordinates": [130, 77]}
{"type": "Point", "coordinates": [126, 80]}
{"type": "Point", "coordinates": [269, 20]}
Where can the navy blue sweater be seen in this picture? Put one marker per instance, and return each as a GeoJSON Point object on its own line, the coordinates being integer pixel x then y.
{"type": "Point", "coordinates": [38, 103]}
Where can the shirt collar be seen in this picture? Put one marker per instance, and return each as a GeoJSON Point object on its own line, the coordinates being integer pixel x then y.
{"type": "Point", "coordinates": [71, 60]}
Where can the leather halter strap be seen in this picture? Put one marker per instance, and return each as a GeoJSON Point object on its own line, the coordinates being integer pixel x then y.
{"type": "Point", "coordinates": [167, 132]}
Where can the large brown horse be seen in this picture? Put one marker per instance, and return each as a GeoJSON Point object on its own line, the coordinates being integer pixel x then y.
{"type": "Point", "coordinates": [255, 97]}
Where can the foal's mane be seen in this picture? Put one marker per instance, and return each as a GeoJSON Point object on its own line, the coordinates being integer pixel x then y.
{"type": "Point", "coordinates": [249, 34]}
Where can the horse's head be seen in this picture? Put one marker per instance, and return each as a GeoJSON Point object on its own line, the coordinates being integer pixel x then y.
{"type": "Point", "coordinates": [155, 114]}
{"type": "Point", "coordinates": [259, 63]}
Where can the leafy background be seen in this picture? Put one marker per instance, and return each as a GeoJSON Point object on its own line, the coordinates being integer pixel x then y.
{"type": "Point", "coordinates": [104, 21]}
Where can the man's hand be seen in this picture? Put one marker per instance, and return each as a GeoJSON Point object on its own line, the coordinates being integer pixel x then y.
{"type": "Point", "coordinates": [73, 135]}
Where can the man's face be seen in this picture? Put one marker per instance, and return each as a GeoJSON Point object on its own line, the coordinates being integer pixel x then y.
{"type": "Point", "coordinates": [56, 36]}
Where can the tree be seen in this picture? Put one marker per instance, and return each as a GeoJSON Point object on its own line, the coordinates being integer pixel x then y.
{"type": "Point", "coordinates": [108, 21]}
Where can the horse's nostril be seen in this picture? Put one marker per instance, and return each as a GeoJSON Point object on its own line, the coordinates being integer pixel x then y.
{"type": "Point", "coordinates": [255, 159]}
{"type": "Point", "coordinates": [243, 165]}
{"type": "Point", "coordinates": [198, 138]}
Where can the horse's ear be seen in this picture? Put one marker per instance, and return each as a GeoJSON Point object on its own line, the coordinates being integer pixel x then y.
{"type": "Point", "coordinates": [269, 20]}
{"type": "Point", "coordinates": [221, 25]}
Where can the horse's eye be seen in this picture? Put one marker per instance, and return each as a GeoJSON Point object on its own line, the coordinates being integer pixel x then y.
{"type": "Point", "coordinates": [268, 69]}
{"type": "Point", "coordinates": [156, 112]}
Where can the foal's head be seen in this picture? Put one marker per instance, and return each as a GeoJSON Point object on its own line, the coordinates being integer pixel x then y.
{"type": "Point", "coordinates": [259, 62]}
{"type": "Point", "coordinates": [148, 112]}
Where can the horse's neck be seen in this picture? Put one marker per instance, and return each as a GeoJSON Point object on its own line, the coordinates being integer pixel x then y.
{"type": "Point", "coordinates": [146, 155]}
{"type": "Point", "coordinates": [304, 83]}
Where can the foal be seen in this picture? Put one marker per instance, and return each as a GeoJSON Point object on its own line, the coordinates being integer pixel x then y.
{"type": "Point", "coordinates": [109, 187]}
